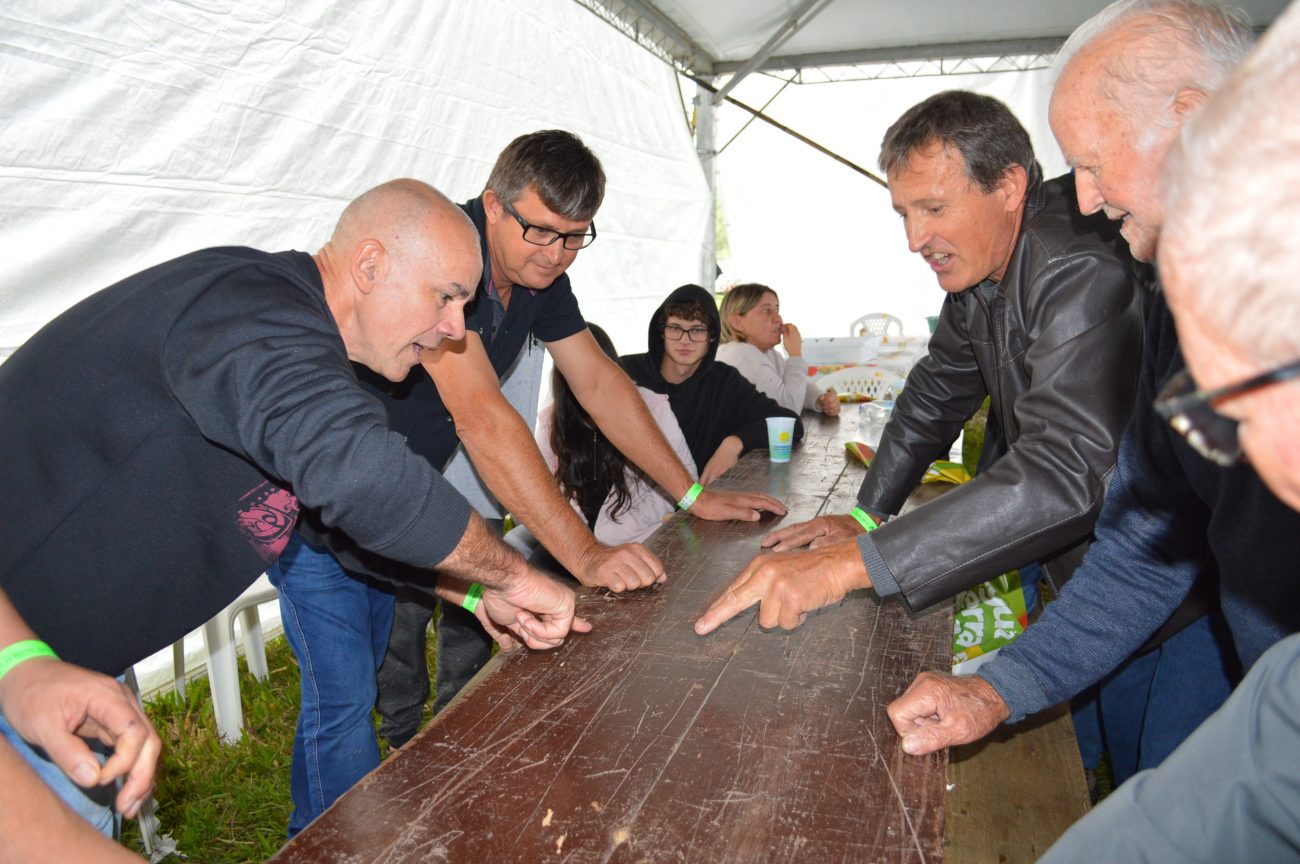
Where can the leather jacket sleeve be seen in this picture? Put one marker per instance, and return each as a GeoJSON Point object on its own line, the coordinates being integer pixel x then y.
{"type": "Point", "coordinates": [1082, 330]}
{"type": "Point", "coordinates": [942, 391]}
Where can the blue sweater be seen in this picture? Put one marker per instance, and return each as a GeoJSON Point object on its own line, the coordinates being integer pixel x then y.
{"type": "Point", "coordinates": [1169, 515]}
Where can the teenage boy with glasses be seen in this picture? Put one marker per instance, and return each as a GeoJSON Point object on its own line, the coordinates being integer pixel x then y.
{"type": "Point", "coordinates": [721, 413]}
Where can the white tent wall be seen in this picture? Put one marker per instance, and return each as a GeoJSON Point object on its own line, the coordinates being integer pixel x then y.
{"type": "Point", "coordinates": [137, 132]}
{"type": "Point", "coordinates": [823, 236]}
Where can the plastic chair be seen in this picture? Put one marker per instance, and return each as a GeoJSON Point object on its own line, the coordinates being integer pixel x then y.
{"type": "Point", "coordinates": [876, 324]}
{"type": "Point", "coordinates": [157, 845]}
{"type": "Point", "coordinates": [865, 383]}
{"type": "Point", "coordinates": [223, 672]}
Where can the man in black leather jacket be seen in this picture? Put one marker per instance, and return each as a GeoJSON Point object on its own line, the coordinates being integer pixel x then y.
{"type": "Point", "coordinates": [1043, 315]}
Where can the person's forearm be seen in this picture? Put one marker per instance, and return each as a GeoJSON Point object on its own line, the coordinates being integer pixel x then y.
{"type": "Point", "coordinates": [617, 408]}
{"type": "Point", "coordinates": [479, 557]}
{"type": "Point", "coordinates": [12, 626]}
{"type": "Point", "coordinates": [506, 457]}
{"type": "Point", "coordinates": [37, 826]}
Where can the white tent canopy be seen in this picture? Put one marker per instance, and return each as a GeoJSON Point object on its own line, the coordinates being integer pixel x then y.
{"type": "Point", "coordinates": [137, 132]}
{"type": "Point", "coordinates": [709, 37]}
{"type": "Point", "coordinates": [819, 233]}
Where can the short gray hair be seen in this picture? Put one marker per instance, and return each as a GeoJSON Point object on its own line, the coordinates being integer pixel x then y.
{"type": "Point", "coordinates": [1230, 196]}
{"type": "Point", "coordinates": [1183, 44]}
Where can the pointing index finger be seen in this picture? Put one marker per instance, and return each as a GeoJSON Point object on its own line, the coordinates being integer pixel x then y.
{"type": "Point", "coordinates": [731, 603]}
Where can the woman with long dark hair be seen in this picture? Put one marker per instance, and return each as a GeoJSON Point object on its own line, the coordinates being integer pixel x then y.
{"type": "Point", "coordinates": [619, 503]}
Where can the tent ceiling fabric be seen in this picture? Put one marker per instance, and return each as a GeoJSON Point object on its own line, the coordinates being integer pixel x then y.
{"type": "Point", "coordinates": [137, 133]}
{"type": "Point", "coordinates": [864, 31]}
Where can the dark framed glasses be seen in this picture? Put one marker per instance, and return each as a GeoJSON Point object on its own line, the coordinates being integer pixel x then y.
{"type": "Point", "coordinates": [695, 334]}
{"type": "Point", "coordinates": [1191, 411]}
{"type": "Point", "coordinates": [540, 236]}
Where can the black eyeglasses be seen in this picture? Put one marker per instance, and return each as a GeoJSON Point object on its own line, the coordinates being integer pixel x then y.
{"type": "Point", "coordinates": [1191, 411]}
{"type": "Point", "coordinates": [695, 334]}
{"type": "Point", "coordinates": [539, 236]}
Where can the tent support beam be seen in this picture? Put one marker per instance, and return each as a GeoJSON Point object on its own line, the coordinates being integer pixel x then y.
{"type": "Point", "coordinates": [699, 57]}
{"type": "Point", "coordinates": [701, 83]}
{"type": "Point", "coordinates": [805, 13]}
{"type": "Point", "coordinates": [706, 149]}
{"type": "Point", "coordinates": [902, 54]}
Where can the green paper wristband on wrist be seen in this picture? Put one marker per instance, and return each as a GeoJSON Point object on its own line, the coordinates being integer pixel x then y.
{"type": "Point", "coordinates": [470, 603]}
{"type": "Point", "coordinates": [689, 498]}
{"type": "Point", "coordinates": [21, 652]}
{"type": "Point", "coordinates": [864, 519]}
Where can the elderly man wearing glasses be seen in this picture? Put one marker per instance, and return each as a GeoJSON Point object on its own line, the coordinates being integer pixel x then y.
{"type": "Point", "coordinates": [534, 216]}
{"type": "Point", "coordinates": [1231, 286]}
{"type": "Point", "coordinates": [1170, 515]}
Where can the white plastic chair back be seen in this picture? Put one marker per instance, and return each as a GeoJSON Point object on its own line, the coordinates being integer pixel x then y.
{"type": "Point", "coordinates": [877, 324]}
{"type": "Point", "coordinates": [865, 382]}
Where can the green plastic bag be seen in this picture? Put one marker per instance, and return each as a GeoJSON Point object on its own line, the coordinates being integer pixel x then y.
{"type": "Point", "coordinates": [984, 619]}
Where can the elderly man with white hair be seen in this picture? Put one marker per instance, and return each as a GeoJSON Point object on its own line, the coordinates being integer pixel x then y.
{"type": "Point", "coordinates": [1231, 287]}
{"type": "Point", "coordinates": [1130, 79]}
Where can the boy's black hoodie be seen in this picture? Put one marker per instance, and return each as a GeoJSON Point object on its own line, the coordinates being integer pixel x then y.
{"type": "Point", "coordinates": [716, 401]}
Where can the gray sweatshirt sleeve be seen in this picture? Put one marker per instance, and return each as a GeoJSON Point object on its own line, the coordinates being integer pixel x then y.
{"type": "Point", "coordinates": [272, 382]}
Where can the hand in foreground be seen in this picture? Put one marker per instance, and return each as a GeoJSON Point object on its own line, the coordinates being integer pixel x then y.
{"type": "Point", "coordinates": [51, 703]}
{"type": "Point", "coordinates": [829, 403]}
{"type": "Point", "coordinates": [37, 826]}
{"type": "Point", "coordinates": [620, 568]}
{"type": "Point", "coordinates": [536, 609]}
{"type": "Point", "coordinates": [715, 506]}
{"type": "Point", "coordinates": [787, 586]}
{"type": "Point", "coordinates": [941, 710]}
{"type": "Point", "coordinates": [722, 460]}
{"type": "Point", "coordinates": [822, 531]}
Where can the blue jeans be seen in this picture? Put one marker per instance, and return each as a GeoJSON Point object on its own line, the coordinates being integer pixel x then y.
{"type": "Point", "coordinates": [337, 625]}
{"type": "Point", "coordinates": [93, 805]}
{"type": "Point", "coordinates": [1030, 576]}
{"type": "Point", "coordinates": [1148, 706]}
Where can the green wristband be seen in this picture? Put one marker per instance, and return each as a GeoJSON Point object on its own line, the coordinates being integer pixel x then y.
{"type": "Point", "coordinates": [20, 652]}
{"type": "Point", "coordinates": [470, 603]}
{"type": "Point", "coordinates": [689, 498]}
{"type": "Point", "coordinates": [864, 519]}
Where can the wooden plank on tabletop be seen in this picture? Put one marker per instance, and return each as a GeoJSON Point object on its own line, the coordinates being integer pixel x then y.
{"type": "Point", "coordinates": [644, 742]}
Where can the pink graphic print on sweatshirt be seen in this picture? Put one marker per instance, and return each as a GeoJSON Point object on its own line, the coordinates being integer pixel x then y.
{"type": "Point", "coordinates": [266, 517]}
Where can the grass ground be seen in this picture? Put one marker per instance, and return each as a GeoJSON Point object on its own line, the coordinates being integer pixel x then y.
{"type": "Point", "coordinates": [228, 804]}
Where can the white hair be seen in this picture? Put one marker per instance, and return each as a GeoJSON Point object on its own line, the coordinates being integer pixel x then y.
{"type": "Point", "coordinates": [1232, 204]}
{"type": "Point", "coordinates": [1170, 45]}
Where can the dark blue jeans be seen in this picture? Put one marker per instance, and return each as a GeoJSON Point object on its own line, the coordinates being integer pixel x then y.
{"type": "Point", "coordinates": [1148, 706]}
{"type": "Point", "coordinates": [337, 625]}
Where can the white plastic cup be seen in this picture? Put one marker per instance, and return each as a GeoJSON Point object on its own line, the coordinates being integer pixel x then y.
{"type": "Point", "coordinates": [780, 438]}
{"type": "Point", "coordinates": [875, 415]}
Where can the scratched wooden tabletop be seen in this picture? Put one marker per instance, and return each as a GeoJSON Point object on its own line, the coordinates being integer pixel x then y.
{"type": "Point", "coordinates": [642, 742]}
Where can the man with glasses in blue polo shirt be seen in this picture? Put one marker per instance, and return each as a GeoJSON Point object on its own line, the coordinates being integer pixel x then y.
{"type": "Point", "coordinates": [534, 216]}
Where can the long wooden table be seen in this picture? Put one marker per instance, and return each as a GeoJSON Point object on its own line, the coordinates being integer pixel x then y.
{"type": "Point", "coordinates": [642, 742]}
